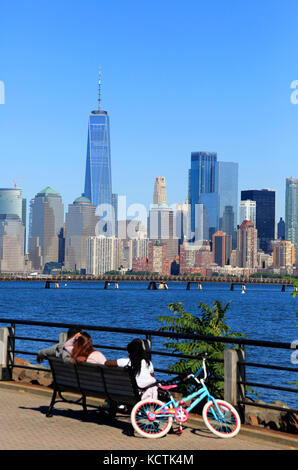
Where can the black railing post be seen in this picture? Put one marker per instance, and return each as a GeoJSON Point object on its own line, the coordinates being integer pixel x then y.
{"type": "Point", "coordinates": [11, 349]}
{"type": "Point", "coordinates": [241, 380]}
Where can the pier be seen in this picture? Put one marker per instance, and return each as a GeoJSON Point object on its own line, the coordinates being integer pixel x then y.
{"type": "Point", "coordinates": [155, 282]}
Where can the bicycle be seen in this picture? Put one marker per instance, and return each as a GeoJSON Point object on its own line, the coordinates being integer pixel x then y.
{"type": "Point", "coordinates": [154, 419]}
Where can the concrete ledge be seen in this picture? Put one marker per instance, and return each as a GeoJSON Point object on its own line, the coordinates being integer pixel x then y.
{"type": "Point", "coordinates": [288, 440]}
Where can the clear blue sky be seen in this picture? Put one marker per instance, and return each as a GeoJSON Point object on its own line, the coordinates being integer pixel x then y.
{"type": "Point", "coordinates": [177, 77]}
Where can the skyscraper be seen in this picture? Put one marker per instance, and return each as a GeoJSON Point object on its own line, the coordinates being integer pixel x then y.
{"type": "Point", "coordinates": [203, 189]}
{"type": "Point", "coordinates": [79, 225]}
{"type": "Point", "coordinates": [98, 179]}
{"type": "Point", "coordinates": [160, 193]}
{"type": "Point", "coordinates": [11, 243]}
{"type": "Point", "coordinates": [12, 203]}
{"type": "Point", "coordinates": [281, 229]}
{"type": "Point", "coordinates": [247, 211]}
{"type": "Point", "coordinates": [283, 254]}
{"type": "Point", "coordinates": [46, 223]}
{"type": "Point", "coordinates": [162, 222]}
{"type": "Point", "coordinates": [265, 215]}
{"type": "Point", "coordinates": [291, 218]}
{"type": "Point", "coordinates": [228, 196]}
{"type": "Point", "coordinates": [247, 248]}
{"type": "Point", "coordinates": [221, 247]}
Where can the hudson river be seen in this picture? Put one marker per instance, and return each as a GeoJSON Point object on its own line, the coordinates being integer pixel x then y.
{"type": "Point", "coordinates": [262, 313]}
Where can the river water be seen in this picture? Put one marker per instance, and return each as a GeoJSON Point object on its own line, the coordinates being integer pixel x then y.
{"type": "Point", "coordinates": [262, 313]}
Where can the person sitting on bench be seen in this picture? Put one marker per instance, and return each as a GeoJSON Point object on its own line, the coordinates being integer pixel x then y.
{"type": "Point", "coordinates": [58, 350]}
{"type": "Point", "coordinates": [142, 367]}
{"type": "Point", "coordinates": [80, 348]}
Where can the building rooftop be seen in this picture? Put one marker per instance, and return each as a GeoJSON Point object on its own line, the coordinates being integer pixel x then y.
{"type": "Point", "coordinates": [48, 191]}
{"type": "Point", "coordinates": [82, 200]}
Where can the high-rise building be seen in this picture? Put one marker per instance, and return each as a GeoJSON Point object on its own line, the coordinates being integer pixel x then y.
{"type": "Point", "coordinates": [161, 224]}
{"type": "Point", "coordinates": [98, 178]}
{"type": "Point", "coordinates": [247, 211]}
{"type": "Point", "coordinates": [281, 229]}
{"type": "Point", "coordinates": [46, 225]}
{"type": "Point", "coordinates": [221, 247]}
{"type": "Point", "coordinates": [157, 258]}
{"type": "Point", "coordinates": [291, 217]}
{"type": "Point", "coordinates": [160, 192]}
{"type": "Point", "coordinates": [247, 245]}
{"type": "Point", "coordinates": [103, 254]}
{"type": "Point", "coordinates": [203, 189]}
{"type": "Point", "coordinates": [283, 254]}
{"type": "Point", "coordinates": [265, 215]}
{"type": "Point", "coordinates": [115, 199]}
{"type": "Point", "coordinates": [228, 197]}
{"type": "Point", "coordinates": [11, 243]}
{"type": "Point", "coordinates": [12, 203]}
{"type": "Point", "coordinates": [183, 222]}
{"type": "Point", "coordinates": [80, 224]}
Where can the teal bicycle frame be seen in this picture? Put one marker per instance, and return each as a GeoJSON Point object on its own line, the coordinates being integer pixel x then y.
{"type": "Point", "coordinates": [202, 393]}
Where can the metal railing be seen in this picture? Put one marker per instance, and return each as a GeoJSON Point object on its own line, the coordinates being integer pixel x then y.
{"type": "Point", "coordinates": [242, 343]}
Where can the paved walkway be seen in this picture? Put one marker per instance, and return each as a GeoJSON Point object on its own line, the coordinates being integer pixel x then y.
{"type": "Point", "coordinates": [24, 426]}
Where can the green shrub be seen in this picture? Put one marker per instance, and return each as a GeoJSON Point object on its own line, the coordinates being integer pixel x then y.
{"type": "Point", "coordinates": [210, 322]}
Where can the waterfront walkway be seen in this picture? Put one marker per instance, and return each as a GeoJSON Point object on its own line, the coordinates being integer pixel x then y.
{"type": "Point", "coordinates": [24, 426]}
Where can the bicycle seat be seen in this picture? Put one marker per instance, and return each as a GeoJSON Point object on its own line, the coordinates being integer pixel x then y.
{"type": "Point", "coordinates": [167, 387]}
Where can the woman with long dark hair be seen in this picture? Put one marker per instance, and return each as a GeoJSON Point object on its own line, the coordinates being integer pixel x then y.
{"type": "Point", "coordinates": [142, 367]}
{"type": "Point", "coordinates": [81, 349]}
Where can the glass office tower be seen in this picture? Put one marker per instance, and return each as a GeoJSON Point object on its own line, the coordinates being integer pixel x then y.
{"type": "Point", "coordinates": [203, 189]}
{"type": "Point", "coordinates": [265, 215]}
{"type": "Point", "coordinates": [98, 180]}
{"type": "Point", "coordinates": [228, 197]}
{"type": "Point", "coordinates": [11, 202]}
{"type": "Point", "coordinates": [291, 218]}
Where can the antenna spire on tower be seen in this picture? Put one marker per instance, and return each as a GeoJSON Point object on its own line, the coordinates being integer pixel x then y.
{"type": "Point", "coordinates": [99, 81]}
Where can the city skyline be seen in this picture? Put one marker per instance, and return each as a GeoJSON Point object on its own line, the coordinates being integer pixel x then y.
{"type": "Point", "coordinates": [235, 99]}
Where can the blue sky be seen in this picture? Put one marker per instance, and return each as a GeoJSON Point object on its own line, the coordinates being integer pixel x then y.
{"type": "Point", "coordinates": [177, 77]}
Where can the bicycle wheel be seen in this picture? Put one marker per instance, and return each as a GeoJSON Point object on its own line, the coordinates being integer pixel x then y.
{"type": "Point", "coordinates": [227, 425]}
{"type": "Point", "coordinates": [147, 425]}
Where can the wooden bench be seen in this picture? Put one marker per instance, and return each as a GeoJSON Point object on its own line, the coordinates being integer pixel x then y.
{"type": "Point", "coordinates": [117, 385]}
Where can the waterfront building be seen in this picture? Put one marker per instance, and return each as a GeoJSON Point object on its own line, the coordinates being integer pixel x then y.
{"type": "Point", "coordinates": [12, 258]}
{"type": "Point", "coordinates": [161, 224]}
{"type": "Point", "coordinates": [265, 261]}
{"type": "Point", "coordinates": [160, 191]}
{"type": "Point", "coordinates": [46, 227]}
{"type": "Point", "coordinates": [203, 189]}
{"type": "Point", "coordinates": [80, 224]}
{"type": "Point", "coordinates": [115, 213]}
{"type": "Point", "coordinates": [103, 254]}
{"type": "Point", "coordinates": [195, 259]}
{"type": "Point", "coordinates": [98, 178]}
{"type": "Point", "coordinates": [140, 248]}
{"type": "Point", "coordinates": [228, 197]}
{"type": "Point", "coordinates": [157, 258]}
{"type": "Point", "coordinates": [283, 254]}
{"type": "Point", "coordinates": [265, 215]}
{"type": "Point", "coordinates": [12, 203]}
{"type": "Point", "coordinates": [291, 214]}
{"type": "Point", "coordinates": [139, 264]}
{"type": "Point", "coordinates": [183, 225]}
{"type": "Point", "coordinates": [281, 229]}
{"type": "Point", "coordinates": [247, 245]}
{"type": "Point", "coordinates": [247, 211]}
{"type": "Point", "coordinates": [221, 247]}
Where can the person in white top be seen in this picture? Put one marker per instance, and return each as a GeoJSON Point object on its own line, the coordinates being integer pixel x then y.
{"type": "Point", "coordinates": [80, 348]}
{"type": "Point", "coordinates": [141, 365]}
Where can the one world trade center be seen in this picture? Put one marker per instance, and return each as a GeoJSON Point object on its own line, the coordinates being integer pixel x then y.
{"type": "Point", "coordinates": [98, 181]}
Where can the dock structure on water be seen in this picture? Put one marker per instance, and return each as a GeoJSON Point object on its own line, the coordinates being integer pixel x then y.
{"type": "Point", "coordinates": [155, 282]}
